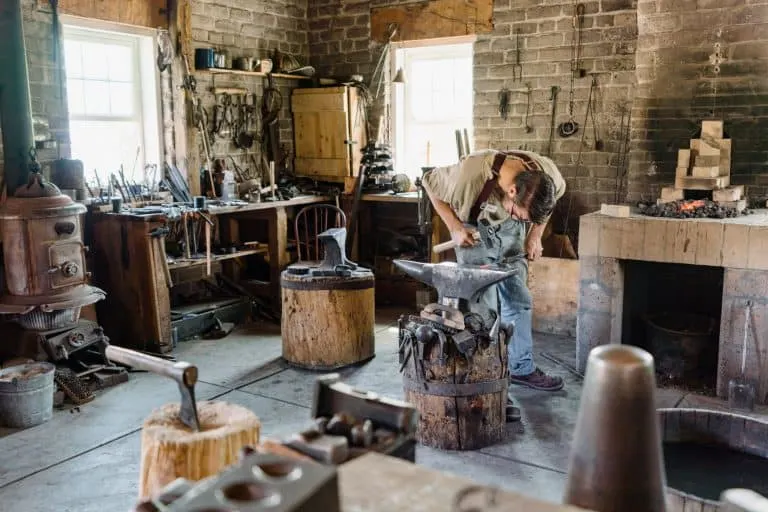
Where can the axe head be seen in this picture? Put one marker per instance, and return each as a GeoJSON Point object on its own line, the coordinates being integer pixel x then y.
{"type": "Point", "coordinates": [454, 281]}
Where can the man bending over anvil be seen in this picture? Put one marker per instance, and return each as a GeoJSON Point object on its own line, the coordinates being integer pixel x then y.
{"type": "Point", "coordinates": [514, 192]}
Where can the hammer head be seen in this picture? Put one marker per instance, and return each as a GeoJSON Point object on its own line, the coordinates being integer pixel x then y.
{"type": "Point", "coordinates": [454, 281]}
{"type": "Point", "coordinates": [188, 409]}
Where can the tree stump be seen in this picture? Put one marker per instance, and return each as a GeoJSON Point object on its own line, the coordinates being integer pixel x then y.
{"type": "Point", "coordinates": [461, 398]}
{"type": "Point", "coordinates": [327, 322]}
{"type": "Point", "coordinates": [170, 450]}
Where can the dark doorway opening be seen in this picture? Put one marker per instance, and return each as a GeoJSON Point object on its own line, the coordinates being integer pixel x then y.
{"type": "Point", "coordinates": [673, 312]}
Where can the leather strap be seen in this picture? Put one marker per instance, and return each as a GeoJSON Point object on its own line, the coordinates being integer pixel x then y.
{"type": "Point", "coordinates": [485, 193]}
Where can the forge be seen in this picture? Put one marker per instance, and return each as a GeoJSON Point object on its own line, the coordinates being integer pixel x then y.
{"type": "Point", "coordinates": [678, 287]}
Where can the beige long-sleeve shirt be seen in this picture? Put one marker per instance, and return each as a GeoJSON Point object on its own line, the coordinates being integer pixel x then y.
{"type": "Point", "coordinates": [460, 184]}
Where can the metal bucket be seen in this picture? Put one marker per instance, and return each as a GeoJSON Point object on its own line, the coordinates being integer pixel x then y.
{"type": "Point", "coordinates": [682, 345]}
{"type": "Point", "coordinates": [26, 395]}
{"type": "Point", "coordinates": [702, 430]}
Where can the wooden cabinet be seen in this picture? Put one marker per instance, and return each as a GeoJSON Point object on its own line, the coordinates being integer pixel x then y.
{"type": "Point", "coordinates": [329, 130]}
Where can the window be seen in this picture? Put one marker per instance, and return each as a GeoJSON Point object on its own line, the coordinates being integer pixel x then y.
{"type": "Point", "coordinates": [435, 101]}
{"type": "Point", "coordinates": [112, 91]}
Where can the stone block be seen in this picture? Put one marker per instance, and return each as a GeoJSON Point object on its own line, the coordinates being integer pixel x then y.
{"type": "Point", "coordinates": [743, 283]}
{"type": "Point", "coordinates": [758, 248]}
{"type": "Point", "coordinates": [683, 158]}
{"type": "Point", "coordinates": [588, 266]}
{"type": "Point", "coordinates": [592, 330]}
{"type": "Point", "coordinates": [735, 246]}
{"type": "Point", "coordinates": [732, 193]}
{"type": "Point", "coordinates": [589, 235]}
{"type": "Point", "coordinates": [671, 193]}
{"type": "Point", "coordinates": [705, 172]}
{"type": "Point", "coordinates": [700, 147]}
{"type": "Point", "coordinates": [712, 128]}
{"type": "Point", "coordinates": [594, 297]}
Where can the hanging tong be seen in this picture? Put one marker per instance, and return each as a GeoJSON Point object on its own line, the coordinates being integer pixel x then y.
{"type": "Point", "coordinates": [517, 67]}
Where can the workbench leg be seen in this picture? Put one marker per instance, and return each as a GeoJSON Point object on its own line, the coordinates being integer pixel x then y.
{"type": "Point", "coordinates": [278, 250]}
{"type": "Point", "coordinates": [229, 234]}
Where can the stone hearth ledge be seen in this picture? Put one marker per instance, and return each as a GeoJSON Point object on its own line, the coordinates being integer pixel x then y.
{"type": "Point", "coordinates": [739, 245]}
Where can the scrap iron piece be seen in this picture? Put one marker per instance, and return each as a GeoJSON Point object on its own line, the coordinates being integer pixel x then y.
{"type": "Point", "coordinates": [445, 315]}
{"type": "Point", "coordinates": [453, 281]}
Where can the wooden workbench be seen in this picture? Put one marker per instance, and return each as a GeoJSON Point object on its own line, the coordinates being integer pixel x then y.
{"type": "Point", "coordinates": [377, 483]}
{"type": "Point", "coordinates": [129, 267]}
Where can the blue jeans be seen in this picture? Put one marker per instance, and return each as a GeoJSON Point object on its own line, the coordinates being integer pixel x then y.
{"type": "Point", "coordinates": [511, 298]}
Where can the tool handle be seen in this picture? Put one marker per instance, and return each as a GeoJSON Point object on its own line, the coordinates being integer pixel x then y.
{"type": "Point", "coordinates": [182, 372]}
{"type": "Point", "coordinates": [450, 244]}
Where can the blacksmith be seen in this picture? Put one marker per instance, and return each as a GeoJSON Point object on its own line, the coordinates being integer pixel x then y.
{"type": "Point", "coordinates": [514, 192]}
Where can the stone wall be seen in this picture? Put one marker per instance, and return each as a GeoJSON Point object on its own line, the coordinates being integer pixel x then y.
{"type": "Point", "coordinates": [679, 44]}
{"type": "Point", "coordinates": [653, 60]}
{"type": "Point", "coordinates": [248, 28]}
{"type": "Point", "coordinates": [49, 106]}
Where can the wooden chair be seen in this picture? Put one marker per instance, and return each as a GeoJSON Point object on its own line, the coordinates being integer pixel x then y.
{"type": "Point", "coordinates": [310, 222]}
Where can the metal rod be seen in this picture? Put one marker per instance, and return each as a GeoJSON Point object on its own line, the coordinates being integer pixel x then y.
{"type": "Point", "coordinates": [15, 103]}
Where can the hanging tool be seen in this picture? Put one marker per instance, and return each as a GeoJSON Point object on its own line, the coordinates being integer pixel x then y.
{"type": "Point", "coordinates": [741, 392]}
{"type": "Point", "coordinates": [555, 91]}
{"type": "Point", "coordinates": [504, 103]}
{"type": "Point", "coordinates": [200, 118]}
{"type": "Point", "coordinates": [576, 42]}
{"type": "Point", "coordinates": [591, 108]}
{"type": "Point", "coordinates": [528, 93]}
{"type": "Point", "coordinates": [622, 151]}
{"type": "Point", "coordinates": [517, 67]}
{"type": "Point", "coordinates": [183, 373]}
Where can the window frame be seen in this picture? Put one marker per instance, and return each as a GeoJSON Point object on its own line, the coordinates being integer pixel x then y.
{"type": "Point", "coordinates": [147, 86]}
{"type": "Point", "coordinates": [397, 93]}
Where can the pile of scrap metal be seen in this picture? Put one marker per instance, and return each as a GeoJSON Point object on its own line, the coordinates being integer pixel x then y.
{"type": "Point", "coordinates": [346, 423]}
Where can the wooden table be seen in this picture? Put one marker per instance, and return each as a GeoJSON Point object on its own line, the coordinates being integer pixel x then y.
{"type": "Point", "coordinates": [129, 267]}
{"type": "Point", "coordinates": [377, 483]}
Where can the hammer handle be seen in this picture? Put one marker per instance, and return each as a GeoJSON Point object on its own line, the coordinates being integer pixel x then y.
{"type": "Point", "coordinates": [450, 244]}
{"type": "Point", "coordinates": [181, 372]}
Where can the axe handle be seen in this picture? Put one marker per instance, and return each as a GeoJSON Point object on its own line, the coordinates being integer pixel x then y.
{"type": "Point", "coordinates": [450, 244]}
{"type": "Point", "coordinates": [183, 373]}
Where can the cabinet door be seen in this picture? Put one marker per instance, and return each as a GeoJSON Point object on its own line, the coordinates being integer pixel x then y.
{"type": "Point", "coordinates": [321, 128]}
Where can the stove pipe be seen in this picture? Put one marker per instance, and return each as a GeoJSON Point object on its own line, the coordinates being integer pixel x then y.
{"type": "Point", "coordinates": [15, 104]}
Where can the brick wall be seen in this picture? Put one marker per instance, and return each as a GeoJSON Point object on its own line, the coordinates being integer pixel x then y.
{"type": "Point", "coordinates": [340, 45]}
{"type": "Point", "coordinates": [678, 86]}
{"type": "Point", "coordinates": [655, 56]}
{"type": "Point", "coordinates": [248, 28]}
{"type": "Point", "coordinates": [49, 107]}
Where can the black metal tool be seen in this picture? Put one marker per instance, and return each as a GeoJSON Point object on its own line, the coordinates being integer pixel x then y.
{"type": "Point", "coordinates": [529, 93]}
{"type": "Point", "coordinates": [335, 262]}
{"type": "Point", "coordinates": [517, 67]}
{"type": "Point", "coordinates": [576, 42]}
{"type": "Point", "coordinates": [555, 91]}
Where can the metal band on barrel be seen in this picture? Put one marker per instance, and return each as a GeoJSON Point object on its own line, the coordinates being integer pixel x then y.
{"type": "Point", "coordinates": [450, 389]}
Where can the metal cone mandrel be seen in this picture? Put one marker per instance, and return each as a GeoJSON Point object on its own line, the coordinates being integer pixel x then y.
{"type": "Point", "coordinates": [616, 462]}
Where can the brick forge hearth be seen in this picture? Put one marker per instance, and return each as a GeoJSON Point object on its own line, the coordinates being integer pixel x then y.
{"type": "Point", "coordinates": [739, 246]}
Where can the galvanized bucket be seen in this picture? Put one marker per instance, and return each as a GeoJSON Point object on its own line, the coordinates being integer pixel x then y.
{"type": "Point", "coordinates": [26, 395]}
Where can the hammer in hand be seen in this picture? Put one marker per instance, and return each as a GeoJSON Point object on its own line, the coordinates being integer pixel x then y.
{"type": "Point", "coordinates": [185, 375]}
{"type": "Point", "coordinates": [484, 233]}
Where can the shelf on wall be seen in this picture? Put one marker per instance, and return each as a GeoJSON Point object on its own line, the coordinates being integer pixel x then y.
{"type": "Point", "coordinates": [220, 71]}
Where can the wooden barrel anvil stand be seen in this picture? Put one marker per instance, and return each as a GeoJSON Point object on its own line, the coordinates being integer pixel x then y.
{"type": "Point", "coordinates": [458, 381]}
{"type": "Point", "coordinates": [327, 321]}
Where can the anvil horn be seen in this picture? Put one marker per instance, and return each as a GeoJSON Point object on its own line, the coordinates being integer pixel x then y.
{"type": "Point", "coordinates": [452, 280]}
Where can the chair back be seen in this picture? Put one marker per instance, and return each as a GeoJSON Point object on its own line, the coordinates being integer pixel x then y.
{"type": "Point", "coordinates": [309, 223]}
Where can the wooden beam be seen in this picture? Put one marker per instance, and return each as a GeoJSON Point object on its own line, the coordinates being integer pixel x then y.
{"type": "Point", "coordinates": [433, 19]}
{"type": "Point", "coordinates": [141, 13]}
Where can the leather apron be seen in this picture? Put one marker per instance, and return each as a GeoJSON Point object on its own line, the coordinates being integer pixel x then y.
{"type": "Point", "coordinates": [502, 245]}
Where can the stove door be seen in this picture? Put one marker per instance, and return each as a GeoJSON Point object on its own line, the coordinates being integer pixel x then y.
{"type": "Point", "coordinates": [66, 264]}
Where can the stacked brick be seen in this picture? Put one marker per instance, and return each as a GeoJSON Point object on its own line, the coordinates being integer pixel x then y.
{"type": "Point", "coordinates": [706, 165]}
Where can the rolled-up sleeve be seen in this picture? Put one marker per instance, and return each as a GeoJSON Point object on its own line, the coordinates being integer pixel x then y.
{"type": "Point", "coordinates": [440, 182]}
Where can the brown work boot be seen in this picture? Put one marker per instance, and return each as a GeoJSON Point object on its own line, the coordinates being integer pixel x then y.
{"type": "Point", "coordinates": [538, 380]}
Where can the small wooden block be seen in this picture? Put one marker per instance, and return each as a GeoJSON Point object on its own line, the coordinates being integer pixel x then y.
{"type": "Point", "coordinates": [700, 147]}
{"type": "Point", "coordinates": [702, 183]}
{"type": "Point", "coordinates": [732, 193]}
{"type": "Point", "coordinates": [713, 129]}
{"type": "Point", "coordinates": [671, 194]}
{"type": "Point", "coordinates": [614, 210]}
{"type": "Point", "coordinates": [683, 158]}
{"type": "Point", "coordinates": [681, 172]}
{"type": "Point", "coordinates": [739, 205]}
{"type": "Point", "coordinates": [707, 160]}
{"type": "Point", "coordinates": [725, 158]}
{"type": "Point", "coordinates": [705, 172]}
